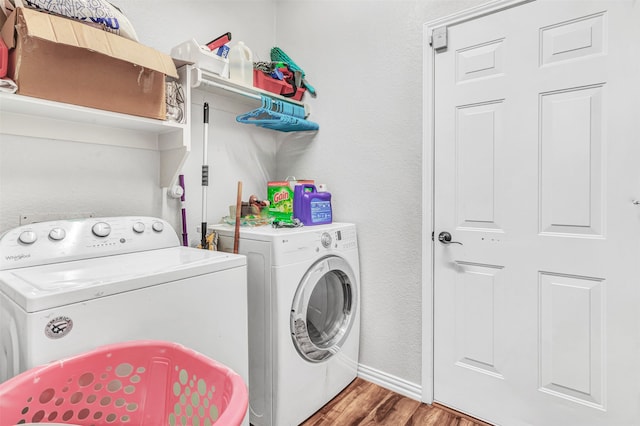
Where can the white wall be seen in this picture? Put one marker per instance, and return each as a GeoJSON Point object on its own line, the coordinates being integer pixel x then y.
{"type": "Point", "coordinates": [365, 60]}
{"type": "Point", "coordinates": [45, 176]}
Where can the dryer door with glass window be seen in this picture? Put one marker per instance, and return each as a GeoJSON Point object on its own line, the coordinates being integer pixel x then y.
{"type": "Point", "coordinates": [324, 309]}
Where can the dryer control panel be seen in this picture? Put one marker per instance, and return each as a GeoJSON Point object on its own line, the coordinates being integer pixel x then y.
{"type": "Point", "coordinates": [346, 238]}
{"type": "Point", "coordinates": [74, 239]}
{"type": "Point", "coordinates": [310, 242]}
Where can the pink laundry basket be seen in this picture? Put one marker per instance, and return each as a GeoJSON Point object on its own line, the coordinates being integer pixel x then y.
{"type": "Point", "coordinates": [144, 382]}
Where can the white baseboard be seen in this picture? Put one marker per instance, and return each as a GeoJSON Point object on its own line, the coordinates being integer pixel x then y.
{"type": "Point", "coordinates": [393, 383]}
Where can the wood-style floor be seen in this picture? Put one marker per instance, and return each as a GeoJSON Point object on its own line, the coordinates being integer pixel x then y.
{"type": "Point", "coordinates": [364, 403]}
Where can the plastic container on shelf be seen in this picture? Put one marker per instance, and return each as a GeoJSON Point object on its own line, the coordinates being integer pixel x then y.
{"type": "Point", "coordinates": [4, 59]}
{"type": "Point", "coordinates": [135, 382]}
{"type": "Point", "coordinates": [241, 64]}
{"type": "Point", "coordinates": [202, 57]}
{"type": "Point", "coordinates": [297, 96]}
{"type": "Point", "coordinates": [264, 82]}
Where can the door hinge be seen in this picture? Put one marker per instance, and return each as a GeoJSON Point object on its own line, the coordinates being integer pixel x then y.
{"type": "Point", "coordinates": [439, 38]}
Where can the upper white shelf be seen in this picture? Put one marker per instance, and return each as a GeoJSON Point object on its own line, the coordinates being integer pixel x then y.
{"type": "Point", "coordinates": [201, 79]}
{"type": "Point", "coordinates": [41, 118]}
{"type": "Point", "coordinates": [34, 117]}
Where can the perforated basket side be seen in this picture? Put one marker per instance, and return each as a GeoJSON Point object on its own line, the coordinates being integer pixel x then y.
{"type": "Point", "coordinates": [138, 383]}
{"type": "Point", "coordinates": [201, 394]}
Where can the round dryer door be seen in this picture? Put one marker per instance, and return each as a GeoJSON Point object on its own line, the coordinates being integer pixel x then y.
{"type": "Point", "coordinates": [324, 309]}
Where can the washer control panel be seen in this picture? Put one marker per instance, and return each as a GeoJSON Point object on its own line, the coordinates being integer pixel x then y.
{"type": "Point", "coordinates": [75, 239]}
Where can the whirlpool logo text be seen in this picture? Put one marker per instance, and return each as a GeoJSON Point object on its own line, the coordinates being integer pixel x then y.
{"type": "Point", "coordinates": [17, 257]}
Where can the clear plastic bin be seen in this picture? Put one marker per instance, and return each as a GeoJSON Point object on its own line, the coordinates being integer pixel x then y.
{"type": "Point", "coordinates": [137, 383]}
{"type": "Point", "coordinates": [202, 57]}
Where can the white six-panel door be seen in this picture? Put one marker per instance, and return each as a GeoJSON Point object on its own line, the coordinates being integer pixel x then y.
{"type": "Point", "coordinates": [536, 170]}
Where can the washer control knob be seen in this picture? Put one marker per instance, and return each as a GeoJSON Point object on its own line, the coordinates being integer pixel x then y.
{"type": "Point", "coordinates": [326, 240]}
{"type": "Point", "coordinates": [57, 234]}
{"type": "Point", "coordinates": [101, 229]}
{"type": "Point", "coordinates": [158, 226]}
{"type": "Point", "coordinates": [138, 227]}
{"type": "Point", "coordinates": [27, 237]}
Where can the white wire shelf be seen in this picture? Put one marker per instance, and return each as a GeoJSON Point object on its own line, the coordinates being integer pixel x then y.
{"type": "Point", "coordinates": [201, 79]}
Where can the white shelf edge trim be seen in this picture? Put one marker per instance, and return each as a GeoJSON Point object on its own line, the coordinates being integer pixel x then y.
{"type": "Point", "coordinates": [23, 125]}
{"type": "Point", "coordinates": [36, 107]}
{"type": "Point", "coordinates": [202, 78]}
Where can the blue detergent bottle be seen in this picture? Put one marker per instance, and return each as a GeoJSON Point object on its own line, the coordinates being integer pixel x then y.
{"type": "Point", "coordinates": [310, 206]}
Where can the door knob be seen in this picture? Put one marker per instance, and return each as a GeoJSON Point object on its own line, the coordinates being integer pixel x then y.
{"type": "Point", "coordinates": [445, 238]}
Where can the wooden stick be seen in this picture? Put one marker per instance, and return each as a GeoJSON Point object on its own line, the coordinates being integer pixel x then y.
{"type": "Point", "coordinates": [236, 235]}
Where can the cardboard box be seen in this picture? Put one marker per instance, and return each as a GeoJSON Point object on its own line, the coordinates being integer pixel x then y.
{"type": "Point", "coordinates": [56, 58]}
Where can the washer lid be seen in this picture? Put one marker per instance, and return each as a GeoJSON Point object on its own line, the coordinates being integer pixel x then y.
{"type": "Point", "coordinates": [47, 286]}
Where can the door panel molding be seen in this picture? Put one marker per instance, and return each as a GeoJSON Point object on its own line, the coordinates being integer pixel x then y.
{"type": "Point", "coordinates": [572, 334]}
{"type": "Point", "coordinates": [571, 170]}
{"type": "Point", "coordinates": [477, 134]}
{"type": "Point", "coordinates": [567, 41]}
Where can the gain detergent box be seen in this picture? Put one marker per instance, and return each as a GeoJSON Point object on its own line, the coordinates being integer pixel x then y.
{"type": "Point", "coordinates": [280, 196]}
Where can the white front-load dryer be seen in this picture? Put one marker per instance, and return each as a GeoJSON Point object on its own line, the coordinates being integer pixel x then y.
{"type": "Point", "coordinates": [304, 317]}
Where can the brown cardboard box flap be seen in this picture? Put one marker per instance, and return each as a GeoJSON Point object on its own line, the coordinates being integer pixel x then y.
{"type": "Point", "coordinates": [56, 29]}
{"type": "Point", "coordinates": [8, 29]}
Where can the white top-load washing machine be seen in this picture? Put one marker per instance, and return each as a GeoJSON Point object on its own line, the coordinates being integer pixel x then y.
{"type": "Point", "coordinates": [68, 286]}
{"type": "Point", "coordinates": [304, 317]}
